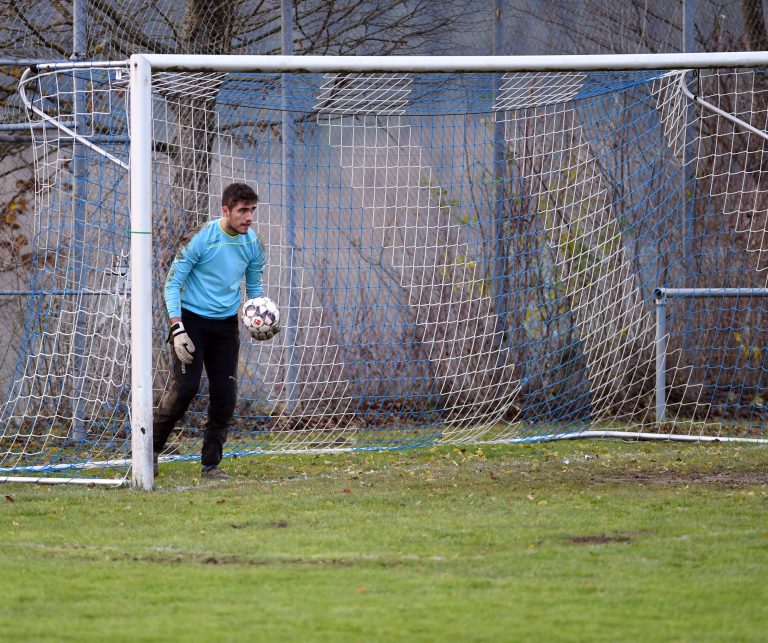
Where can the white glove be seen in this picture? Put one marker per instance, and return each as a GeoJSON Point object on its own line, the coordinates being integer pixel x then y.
{"type": "Point", "coordinates": [182, 344]}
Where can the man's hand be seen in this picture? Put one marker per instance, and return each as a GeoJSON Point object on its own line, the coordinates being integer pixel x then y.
{"type": "Point", "coordinates": [262, 334]}
{"type": "Point", "coordinates": [182, 344]}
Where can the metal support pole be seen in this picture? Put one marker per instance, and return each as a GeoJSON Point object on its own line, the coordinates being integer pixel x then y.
{"type": "Point", "coordinates": [141, 272]}
{"type": "Point", "coordinates": [289, 205]}
{"type": "Point", "coordinates": [79, 40]}
{"type": "Point", "coordinates": [688, 173]}
{"type": "Point", "coordinates": [688, 194]}
{"type": "Point", "coordinates": [22, 62]}
{"type": "Point", "coordinates": [689, 25]}
{"type": "Point", "coordinates": [499, 143]}
{"type": "Point", "coordinates": [25, 127]}
{"type": "Point", "coordinates": [79, 275]}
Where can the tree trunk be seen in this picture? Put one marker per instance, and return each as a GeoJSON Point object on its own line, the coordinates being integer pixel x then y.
{"type": "Point", "coordinates": [754, 24]}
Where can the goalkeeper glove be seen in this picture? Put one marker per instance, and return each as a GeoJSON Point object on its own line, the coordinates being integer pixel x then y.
{"type": "Point", "coordinates": [262, 334]}
{"type": "Point", "coordinates": [182, 344]}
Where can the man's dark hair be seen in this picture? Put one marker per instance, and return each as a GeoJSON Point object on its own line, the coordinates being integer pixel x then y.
{"type": "Point", "coordinates": [236, 192]}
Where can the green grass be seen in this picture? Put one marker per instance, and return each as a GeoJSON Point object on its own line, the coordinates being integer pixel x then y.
{"type": "Point", "coordinates": [576, 541]}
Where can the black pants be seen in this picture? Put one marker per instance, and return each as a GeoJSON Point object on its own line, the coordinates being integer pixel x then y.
{"type": "Point", "coordinates": [217, 344]}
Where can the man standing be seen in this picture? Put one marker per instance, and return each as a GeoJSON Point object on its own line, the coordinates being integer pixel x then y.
{"type": "Point", "coordinates": [202, 295]}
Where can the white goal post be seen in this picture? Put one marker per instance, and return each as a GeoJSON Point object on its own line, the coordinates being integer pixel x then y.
{"type": "Point", "coordinates": [141, 271]}
{"type": "Point", "coordinates": [464, 249]}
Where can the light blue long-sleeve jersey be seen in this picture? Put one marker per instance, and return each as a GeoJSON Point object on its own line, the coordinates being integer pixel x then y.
{"type": "Point", "coordinates": [206, 273]}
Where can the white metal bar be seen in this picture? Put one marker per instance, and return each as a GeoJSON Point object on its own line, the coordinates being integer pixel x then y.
{"type": "Point", "coordinates": [661, 359]}
{"type": "Point", "coordinates": [100, 482]}
{"type": "Point", "coordinates": [700, 293]}
{"type": "Point", "coordinates": [52, 66]}
{"type": "Point", "coordinates": [26, 76]}
{"type": "Point", "coordinates": [141, 272]}
{"type": "Point", "coordinates": [726, 115]}
{"type": "Point", "coordinates": [323, 64]}
{"type": "Point", "coordinates": [667, 437]}
{"type": "Point", "coordinates": [44, 469]}
{"type": "Point", "coordinates": [660, 296]}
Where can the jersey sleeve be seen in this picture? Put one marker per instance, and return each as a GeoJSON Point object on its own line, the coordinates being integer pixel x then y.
{"type": "Point", "coordinates": [254, 273]}
{"type": "Point", "coordinates": [185, 260]}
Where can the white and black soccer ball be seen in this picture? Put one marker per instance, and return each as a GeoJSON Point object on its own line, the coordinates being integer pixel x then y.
{"type": "Point", "coordinates": [261, 317]}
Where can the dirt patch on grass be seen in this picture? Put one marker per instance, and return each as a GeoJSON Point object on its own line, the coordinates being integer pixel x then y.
{"type": "Point", "coordinates": [601, 539]}
{"type": "Point", "coordinates": [723, 478]}
{"type": "Point", "coordinates": [231, 559]}
{"type": "Point", "coordinates": [606, 539]}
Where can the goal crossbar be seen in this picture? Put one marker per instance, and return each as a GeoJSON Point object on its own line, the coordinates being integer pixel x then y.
{"type": "Point", "coordinates": [426, 64]}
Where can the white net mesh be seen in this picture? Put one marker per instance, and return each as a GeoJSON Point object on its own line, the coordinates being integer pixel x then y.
{"type": "Point", "coordinates": [457, 257]}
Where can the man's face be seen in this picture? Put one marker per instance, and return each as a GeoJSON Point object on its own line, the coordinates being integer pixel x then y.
{"type": "Point", "coordinates": [238, 218]}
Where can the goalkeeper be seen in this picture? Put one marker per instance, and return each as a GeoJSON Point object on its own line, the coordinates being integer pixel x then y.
{"type": "Point", "coordinates": [202, 295]}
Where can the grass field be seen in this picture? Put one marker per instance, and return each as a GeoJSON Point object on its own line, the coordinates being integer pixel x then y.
{"type": "Point", "coordinates": [573, 541]}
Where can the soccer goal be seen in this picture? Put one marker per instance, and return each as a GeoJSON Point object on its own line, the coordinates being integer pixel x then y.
{"type": "Point", "coordinates": [463, 250]}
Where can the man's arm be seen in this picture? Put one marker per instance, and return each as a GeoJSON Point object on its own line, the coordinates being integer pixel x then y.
{"type": "Point", "coordinates": [254, 273]}
{"type": "Point", "coordinates": [185, 260]}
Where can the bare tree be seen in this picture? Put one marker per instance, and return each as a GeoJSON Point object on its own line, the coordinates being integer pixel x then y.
{"type": "Point", "coordinates": [754, 24]}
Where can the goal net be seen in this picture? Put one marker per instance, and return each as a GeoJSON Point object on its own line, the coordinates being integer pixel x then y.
{"type": "Point", "coordinates": [458, 257]}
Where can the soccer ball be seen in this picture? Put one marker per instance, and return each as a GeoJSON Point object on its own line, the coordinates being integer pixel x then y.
{"type": "Point", "coordinates": [261, 317]}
